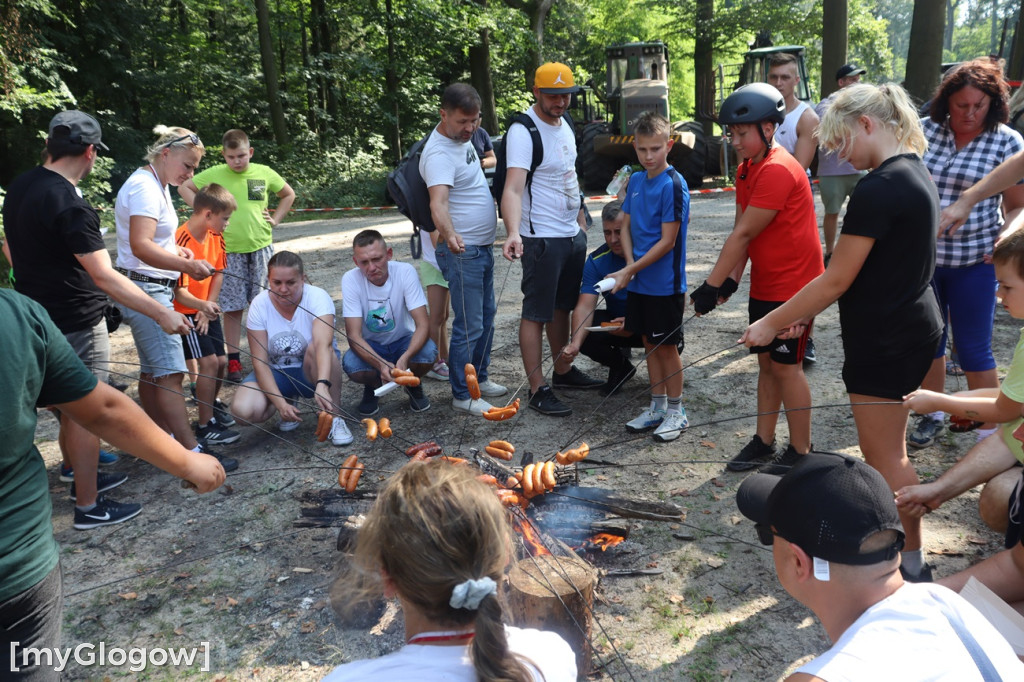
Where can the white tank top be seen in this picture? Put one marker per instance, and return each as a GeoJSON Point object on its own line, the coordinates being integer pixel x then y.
{"type": "Point", "coordinates": [786, 133]}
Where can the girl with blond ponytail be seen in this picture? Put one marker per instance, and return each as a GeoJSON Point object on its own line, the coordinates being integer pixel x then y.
{"type": "Point", "coordinates": [438, 540]}
{"type": "Point", "coordinates": [880, 272]}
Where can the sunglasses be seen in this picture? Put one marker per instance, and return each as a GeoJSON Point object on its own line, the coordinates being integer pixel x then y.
{"type": "Point", "coordinates": [765, 533]}
{"type": "Point", "coordinates": [191, 137]}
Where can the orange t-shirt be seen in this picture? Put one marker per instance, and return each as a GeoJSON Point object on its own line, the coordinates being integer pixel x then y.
{"type": "Point", "coordinates": [786, 255]}
{"type": "Point", "coordinates": [210, 250]}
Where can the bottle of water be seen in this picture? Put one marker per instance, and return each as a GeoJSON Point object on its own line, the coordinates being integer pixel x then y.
{"type": "Point", "coordinates": [619, 180]}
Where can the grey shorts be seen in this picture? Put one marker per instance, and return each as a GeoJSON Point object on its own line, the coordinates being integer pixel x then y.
{"type": "Point", "coordinates": [835, 188]}
{"type": "Point", "coordinates": [92, 346]}
{"type": "Point", "coordinates": [244, 277]}
{"type": "Point", "coordinates": [552, 272]}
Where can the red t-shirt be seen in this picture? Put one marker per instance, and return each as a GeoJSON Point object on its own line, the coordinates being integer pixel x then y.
{"type": "Point", "coordinates": [210, 250]}
{"type": "Point", "coordinates": [787, 253]}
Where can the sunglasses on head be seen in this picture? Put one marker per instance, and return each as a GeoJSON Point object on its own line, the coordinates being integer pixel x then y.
{"type": "Point", "coordinates": [191, 137]}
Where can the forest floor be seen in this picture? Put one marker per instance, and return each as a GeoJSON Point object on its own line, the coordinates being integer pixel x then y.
{"type": "Point", "coordinates": [229, 568]}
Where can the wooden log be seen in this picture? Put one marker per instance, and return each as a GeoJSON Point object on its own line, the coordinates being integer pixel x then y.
{"type": "Point", "coordinates": [556, 594]}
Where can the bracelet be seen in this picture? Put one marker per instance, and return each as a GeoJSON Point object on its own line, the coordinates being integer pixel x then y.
{"type": "Point", "coordinates": [324, 381]}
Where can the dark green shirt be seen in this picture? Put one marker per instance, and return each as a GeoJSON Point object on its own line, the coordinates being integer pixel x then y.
{"type": "Point", "coordinates": [39, 369]}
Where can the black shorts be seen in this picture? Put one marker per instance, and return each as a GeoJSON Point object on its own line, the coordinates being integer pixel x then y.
{"type": "Point", "coordinates": [658, 318]}
{"type": "Point", "coordinates": [552, 272]}
{"type": "Point", "coordinates": [198, 345]}
{"type": "Point", "coordinates": [889, 378]}
{"type": "Point", "coordinates": [782, 351]}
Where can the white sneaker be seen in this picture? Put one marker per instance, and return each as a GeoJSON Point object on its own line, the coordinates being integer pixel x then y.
{"type": "Point", "coordinates": [286, 426]}
{"type": "Point", "coordinates": [670, 428]}
{"type": "Point", "coordinates": [477, 407]}
{"type": "Point", "coordinates": [648, 419]}
{"type": "Point", "coordinates": [491, 389]}
{"type": "Point", "coordinates": [439, 371]}
{"type": "Point", "coordinates": [340, 435]}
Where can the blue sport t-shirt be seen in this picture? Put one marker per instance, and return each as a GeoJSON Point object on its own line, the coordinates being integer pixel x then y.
{"type": "Point", "coordinates": [601, 263]}
{"type": "Point", "coordinates": [650, 202]}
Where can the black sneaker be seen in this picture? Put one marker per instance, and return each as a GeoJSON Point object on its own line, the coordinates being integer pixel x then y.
{"type": "Point", "coordinates": [104, 482]}
{"type": "Point", "coordinates": [925, 576]}
{"type": "Point", "coordinates": [217, 434]}
{"type": "Point", "coordinates": [107, 512]}
{"type": "Point", "coordinates": [753, 452]}
{"type": "Point", "coordinates": [781, 465]}
{"type": "Point", "coordinates": [220, 411]}
{"type": "Point", "coordinates": [229, 463]}
{"type": "Point", "coordinates": [368, 405]}
{"type": "Point", "coordinates": [810, 356]}
{"type": "Point", "coordinates": [418, 402]}
{"type": "Point", "coordinates": [546, 402]}
{"type": "Point", "coordinates": [574, 378]}
{"type": "Point", "coordinates": [617, 378]}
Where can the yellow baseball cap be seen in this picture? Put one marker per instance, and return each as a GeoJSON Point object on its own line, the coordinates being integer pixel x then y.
{"type": "Point", "coordinates": [554, 78]}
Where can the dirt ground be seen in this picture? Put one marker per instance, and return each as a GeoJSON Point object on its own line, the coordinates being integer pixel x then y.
{"type": "Point", "coordinates": [229, 567]}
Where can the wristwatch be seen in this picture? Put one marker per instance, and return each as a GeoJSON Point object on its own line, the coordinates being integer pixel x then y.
{"type": "Point", "coordinates": [324, 381]}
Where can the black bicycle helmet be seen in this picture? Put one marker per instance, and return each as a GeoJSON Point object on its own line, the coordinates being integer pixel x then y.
{"type": "Point", "coordinates": [753, 103]}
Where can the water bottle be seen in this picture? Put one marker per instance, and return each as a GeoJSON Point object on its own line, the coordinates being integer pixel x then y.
{"type": "Point", "coordinates": [619, 180]}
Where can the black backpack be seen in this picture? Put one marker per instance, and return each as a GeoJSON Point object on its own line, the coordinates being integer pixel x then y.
{"type": "Point", "coordinates": [501, 168]}
{"type": "Point", "coordinates": [409, 192]}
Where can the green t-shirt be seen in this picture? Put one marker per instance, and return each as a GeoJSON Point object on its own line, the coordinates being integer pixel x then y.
{"type": "Point", "coordinates": [40, 369]}
{"type": "Point", "coordinates": [1013, 388]}
{"type": "Point", "coordinates": [248, 230]}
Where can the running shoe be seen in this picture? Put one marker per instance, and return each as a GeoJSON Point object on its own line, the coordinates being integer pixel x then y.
{"type": "Point", "coordinates": [574, 378]}
{"type": "Point", "coordinates": [220, 411]}
{"type": "Point", "coordinates": [368, 406]}
{"type": "Point", "coordinates": [439, 371]}
{"type": "Point", "coordinates": [474, 407]}
{"type": "Point", "coordinates": [340, 435]}
{"type": "Point", "coordinates": [214, 432]}
{"type": "Point", "coordinates": [754, 452]}
{"type": "Point", "coordinates": [781, 465]}
{"type": "Point", "coordinates": [418, 401]}
{"type": "Point", "coordinates": [926, 430]}
{"type": "Point", "coordinates": [491, 389]}
{"type": "Point", "coordinates": [671, 426]}
{"type": "Point", "coordinates": [810, 355]}
{"type": "Point", "coordinates": [648, 419]}
{"type": "Point", "coordinates": [104, 482]}
{"type": "Point", "coordinates": [546, 402]}
{"type": "Point", "coordinates": [107, 512]}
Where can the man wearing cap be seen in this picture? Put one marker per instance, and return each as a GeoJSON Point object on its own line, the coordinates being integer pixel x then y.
{"type": "Point", "coordinates": [60, 260]}
{"type": "Point", "coordinates": [836, 177]}
{"type": "Point", "coordinates": [836, 540]}
{"type": "Point", "coordinates": [546, 227]}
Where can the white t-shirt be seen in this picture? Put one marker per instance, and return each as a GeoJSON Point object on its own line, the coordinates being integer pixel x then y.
{"type": "Point", "coordinates": [906, 637]}
{"type": "Point", "coordinates": [555, 203]}
{"type": "Point", "coordinates": [470, 205]}
{"type": "Point", "coordinates": [428, 248]}
{"type": "Point", "coordinates": [287, 339]}
{"type": "Point", "coordinates": [383, 310]}
{"type": "Point", "coordinates": [425, 663]}
{"type": "Point", "coordinates": [142, 195]}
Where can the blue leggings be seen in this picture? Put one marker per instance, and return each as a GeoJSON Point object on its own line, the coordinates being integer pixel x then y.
{"type": "Point", "coordinates": [967, 299]}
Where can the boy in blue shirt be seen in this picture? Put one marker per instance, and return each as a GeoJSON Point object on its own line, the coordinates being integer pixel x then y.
{"type": "Point", "coordinates": [657, 209]}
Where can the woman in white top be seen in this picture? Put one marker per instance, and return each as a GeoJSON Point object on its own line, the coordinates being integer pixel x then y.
{"type": "Point", "coordinates": [438, 539]}
{"type": "Point", "coordinates": [148, 255]}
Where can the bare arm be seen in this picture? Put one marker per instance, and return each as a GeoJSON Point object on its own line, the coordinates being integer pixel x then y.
{"type": "Point", "coordinates": [669, 232]}
{"type": "Point", "coordinates": [115, 418]}
{"type": "Point", "coordinates": [512, 212]}
{"type": "Point", "coordinates": [806, 145]}
{"type": "Point", "coordinates": [488, 160]}
{"type": "Point", "coordinates": [443, 219]}
{"type": "Point", "coordinates": [1002, 178]}
{"type": "Point", "coordinates": [1013, 202]}
{"type": "Point", "coordinates": [187, 191]}
{"type": "Point", "coordinates": [323, 342]}
{"type": "Point", "coordinates": [141, 230]}
{"type": "Point", "coordinates": [286, 197]}
{"type": "Point", "coordinates": [582, 315]}
{"type": "Point", "coordinates": [1002, 573]}
{"type": "Point", "coordinates": [985, 405]}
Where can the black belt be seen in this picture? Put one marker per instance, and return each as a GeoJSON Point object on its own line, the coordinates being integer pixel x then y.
{"type": "Point", "coordinates": [136, 277]}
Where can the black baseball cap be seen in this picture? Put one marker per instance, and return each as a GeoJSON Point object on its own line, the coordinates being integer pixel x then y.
{"type": "Point", "coordinates": [827, 504]}
{"type": "Point", "coordinates": [77, 126]}
{"type": "Point", "coordinates": [849, 70]}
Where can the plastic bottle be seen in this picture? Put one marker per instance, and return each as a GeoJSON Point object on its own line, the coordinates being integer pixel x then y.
{"type": "Point", "coordinates": [619, 180]}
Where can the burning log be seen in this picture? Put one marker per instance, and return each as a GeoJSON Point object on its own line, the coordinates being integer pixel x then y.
{"type": "Point", "coordinates": [555, 593]}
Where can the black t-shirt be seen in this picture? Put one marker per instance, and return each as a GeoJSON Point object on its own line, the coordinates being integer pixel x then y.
{"type": "Point", "coordinates": [47, 223]}
{"type": "Point", "coordinates": [890, 309]}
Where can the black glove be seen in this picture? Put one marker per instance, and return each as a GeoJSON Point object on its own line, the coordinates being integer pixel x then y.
{"type": "Point", "coordinates": [728, 288]}
{"type": "Point", "coordinates": [705, 298]}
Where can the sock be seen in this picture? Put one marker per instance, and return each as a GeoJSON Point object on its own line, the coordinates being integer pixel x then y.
{"type": "Point", "coordinates": [87, 508]}
{"type": "Point", "coordinates": [913, 561]}
{"type": "Point", "coordinates": [234, 356]}
{"type": "Point", "coordinates": [197, 448]}
{"type": "Point", "coordinates": [675, 405]}
{"type": "Point", "coordinates": [659, 402]}
{"type": "Point", "coordinates": [938, 416]}
{"type": "Point", "coordinates": [985, 433]}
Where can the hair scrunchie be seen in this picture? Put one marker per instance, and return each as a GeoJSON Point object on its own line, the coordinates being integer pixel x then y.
{"type": "Point", "coordinates": [469, 594]}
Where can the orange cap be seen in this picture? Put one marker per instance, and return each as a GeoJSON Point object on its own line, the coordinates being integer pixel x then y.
{"type": "Point", "coordinates": [554, 78]}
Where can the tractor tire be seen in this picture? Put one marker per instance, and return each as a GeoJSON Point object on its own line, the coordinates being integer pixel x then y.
{"type": "Point", "coordinates": [594, 170]}
{"type": "Point", "coordinates": [693, 166]}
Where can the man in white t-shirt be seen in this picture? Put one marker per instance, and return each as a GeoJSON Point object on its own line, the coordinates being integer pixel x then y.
{"type": "Point", "coordinates": [546, 225]}
{"type": "Point", "coordinates": [386, 322]}
{"type": "Point", "coordinates": [463, 211]}
{"type": "Point", "coordinates": [836, 539]}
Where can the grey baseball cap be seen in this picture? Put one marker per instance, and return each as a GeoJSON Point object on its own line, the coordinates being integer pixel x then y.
{"type": "Point", "coordinates": [78, 127]}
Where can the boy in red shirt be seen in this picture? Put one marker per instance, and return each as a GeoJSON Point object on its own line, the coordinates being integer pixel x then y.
{"type": "Point", "coordinates": [203, 234]}
{"type": "Point", "coordinates": [777, 230]}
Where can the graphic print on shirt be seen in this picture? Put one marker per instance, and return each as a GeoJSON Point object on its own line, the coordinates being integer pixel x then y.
{"type": "Point", "coordinates": [286, 349]}
{"type": "Point", "coordinates": [380, 319]}
{"type": "Point", "coordinates": [257, 189]}
{"type": "Point", "coordinates": [570, 184]}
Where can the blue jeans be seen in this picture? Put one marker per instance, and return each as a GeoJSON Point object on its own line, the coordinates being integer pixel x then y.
{"type": "Point", "coordinates": [470, 278]}
{"type": "Point", "coordinates": [353, 364]}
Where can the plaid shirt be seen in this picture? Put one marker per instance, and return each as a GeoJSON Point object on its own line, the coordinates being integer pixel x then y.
{"type": "Point", "coordinates": [956, 170]}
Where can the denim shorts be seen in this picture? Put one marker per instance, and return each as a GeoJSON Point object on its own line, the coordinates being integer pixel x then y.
{"type": "Point", "coordinates": [92, 346]}
{"type": "Point", "coordinates": [352, 363]}
{"type": "Point", "coordinates": [291, 381]}
{"type": "Point", "coordinates": [160, 354]}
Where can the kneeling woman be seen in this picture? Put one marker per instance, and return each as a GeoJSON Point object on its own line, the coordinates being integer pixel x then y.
{"type": "Point", "coordinates": [290, 329]}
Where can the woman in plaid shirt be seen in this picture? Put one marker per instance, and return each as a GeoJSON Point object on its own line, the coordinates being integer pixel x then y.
{"type": "Point", "coordinates": [967, 138]}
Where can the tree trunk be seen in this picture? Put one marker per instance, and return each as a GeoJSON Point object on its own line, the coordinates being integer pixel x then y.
{"type": "Point", "coordinates": [833, 43]}
{"type": "Point", "coordinates": [307, 82]}
{"type": "Point", "coordinates": [947, 34]}
{"type": "Point", "coordinates": [537, 11]}
{"type": "Point", "coordinates": [1015, 66]}
{"type": "Point", "coordinates": [270, 73]}
{"type": "Point", "coordinates": [703, 66]}
{"type": "Point", "coordinates": [391, 85]}
{"type": "Point", "coordinates": [924, 56]}
{"type": "Point", "coordinates": [480, 77]}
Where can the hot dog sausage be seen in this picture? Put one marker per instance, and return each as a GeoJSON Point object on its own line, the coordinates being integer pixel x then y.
{"type": "Point", "coordinates": [498, 452]}
{"type": "Point", "coordinates": [384, 428]}
{"type": "Point", "coordinates": [353, 478]}
{"type": "Point", "coordinates": [371, 429]}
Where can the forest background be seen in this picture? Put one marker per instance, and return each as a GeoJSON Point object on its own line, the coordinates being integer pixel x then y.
{"type": "Point", "coordinates": [332, 92]}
